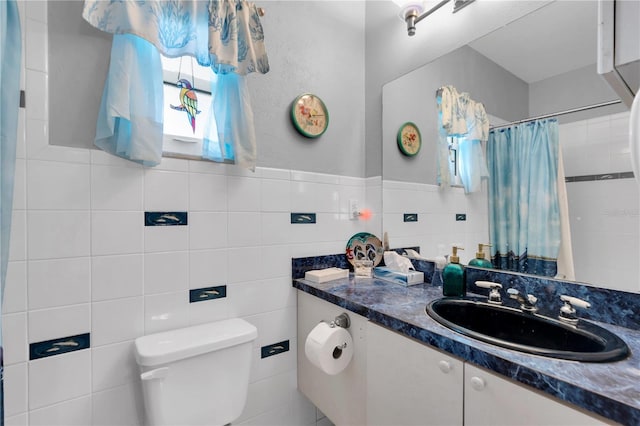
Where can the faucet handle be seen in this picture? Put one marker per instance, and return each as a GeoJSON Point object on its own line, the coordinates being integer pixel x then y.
{"type": "Point", "coordinates": [494, 294]}
{"type": "Point", "coordinates": [574, 301]}
{"type": "Point", "coordinates": [488, 284]}
{"type": "Point", "coordinates": [568, 311]}
{"type": "Point", "coordinates": [527, 303]}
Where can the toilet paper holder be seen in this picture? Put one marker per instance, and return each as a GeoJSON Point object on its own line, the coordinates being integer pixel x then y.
{"type": "Point", "coordinates": [341, 320]}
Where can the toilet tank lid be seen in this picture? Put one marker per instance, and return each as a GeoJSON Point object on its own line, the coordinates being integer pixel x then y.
{"type": "Point", "coordinates": [173, 345]}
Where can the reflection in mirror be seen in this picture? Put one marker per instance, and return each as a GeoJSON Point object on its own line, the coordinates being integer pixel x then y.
{"type": "Point", "coordinates": [519, 72]}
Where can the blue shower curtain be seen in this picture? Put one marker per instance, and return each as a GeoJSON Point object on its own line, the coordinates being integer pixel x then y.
{"type": "Point", "coordinates": [10, 51]}
{"type": "Point", "coordinates": [524, 212]}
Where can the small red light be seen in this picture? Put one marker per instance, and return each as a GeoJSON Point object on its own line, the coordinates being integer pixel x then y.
{"type": "Point", "coordinates": [365, 214]}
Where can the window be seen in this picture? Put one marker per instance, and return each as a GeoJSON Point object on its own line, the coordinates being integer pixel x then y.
{"type": "Point", "coordinates": [180, 139]}
{"type": "Point", "coordinates": [454, 162]}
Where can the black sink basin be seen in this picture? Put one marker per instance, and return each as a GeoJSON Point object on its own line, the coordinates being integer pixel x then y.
{"type": "Point", "coordinates": [526, 332]}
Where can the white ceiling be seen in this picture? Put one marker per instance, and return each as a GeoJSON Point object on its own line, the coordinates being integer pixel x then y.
{"type": "Point", "coordinates": [552, 40]}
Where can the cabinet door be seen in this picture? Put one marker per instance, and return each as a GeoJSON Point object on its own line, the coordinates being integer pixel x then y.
{"type": "Point", "coordinates": [409, 383]}
{"type": "Point", "coordinates": [492, 401]}
{"type": "Point", "coordinates": [341, 397]}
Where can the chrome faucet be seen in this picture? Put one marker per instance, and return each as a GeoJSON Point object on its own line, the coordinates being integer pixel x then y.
{"type": "Point", "coordinates": [527, 303]}
{"type": "Point", "coordinates": [568, 311]}
{"type": "Point", "coordinates": [494, 295]}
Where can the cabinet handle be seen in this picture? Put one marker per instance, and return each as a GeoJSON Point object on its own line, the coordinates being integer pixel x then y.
{"type": "Point", "coordinates": [478, 383]}
{"type": "Point", "coordinates": [445, 366]}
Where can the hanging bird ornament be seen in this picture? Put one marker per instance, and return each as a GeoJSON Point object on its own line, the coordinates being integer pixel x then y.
{"type": "Point", "coordinates": [188, 101]}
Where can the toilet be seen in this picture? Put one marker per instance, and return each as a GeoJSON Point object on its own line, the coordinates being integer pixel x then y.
{"type": "Point", "coordinates": [196, 375]}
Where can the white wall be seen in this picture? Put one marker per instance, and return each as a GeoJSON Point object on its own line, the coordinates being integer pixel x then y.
{"type": "Point", "coordinates": [82, 261]}
{"type": "Point", "coordinates": [436, 229]}
{"type": "Point", "coordinates": [603, 214]}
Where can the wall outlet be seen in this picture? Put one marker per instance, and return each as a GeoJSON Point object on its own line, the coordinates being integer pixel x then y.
{"type": "Point", "coordinates": [354, 210]}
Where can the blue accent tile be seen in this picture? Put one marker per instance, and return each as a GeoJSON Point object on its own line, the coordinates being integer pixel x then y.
{"type": "Point", "coordinates": [410, 217]}
{"type": "Point", "coordinates": [461, 217]}
{"type": "Point", "coordinates": [165, 218]}
{"type": "Point", "coordinates": [207, 293]}
{"type": "Point", "coordinates": [604, 176]}
{"type": "Point", "coordinates": [274, 349]}
{"type": "Point", "coordinates": [59, 346]}
{"type": "Point", "coordinates": [303, 218]}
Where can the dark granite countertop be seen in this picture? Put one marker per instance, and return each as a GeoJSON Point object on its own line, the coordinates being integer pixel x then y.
{"type": "Point", "coordinates": [611, 390]}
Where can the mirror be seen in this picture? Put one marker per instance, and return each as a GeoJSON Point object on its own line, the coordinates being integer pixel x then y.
{"type": "Point", "coordinates": [542, 63]}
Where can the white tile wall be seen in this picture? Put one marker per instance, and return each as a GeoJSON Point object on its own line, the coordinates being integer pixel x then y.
{"type": "Point", "coordinates": [74, 412]}
{"type": "Point", "coordinates": [113, 277]}
{"type": "Point", "coordinates": [82, 261]}
{"type": "Point", "coordinates": [207, 268]}
{"type": "Point", "coordinates": [116, 188]}
{"type": "Point", "coordinates": [596, 146]}
{"type": "Point", "coordinates": [16, 399]}
{"type": "Point", "coordinates": [436, 230]}
{"type": "Point", "coordinates": [127, 398]}
{"type": "Point", "coordinates": [58, 234]}
{"type": "Point", "coordinates": [59, 282]}
{"type": "Point", "coordinates": [47, 324]}
{"type": "Point", "coordinates": [14, 338]}
{"type": "Point", "coordinates": [603, 215]}
{"type": "Point", "coordinates": [113, 366]}
{"type": "Point", "coordinates": [59, 378]}
{"type": "Point", "coordinates": [166, 272]}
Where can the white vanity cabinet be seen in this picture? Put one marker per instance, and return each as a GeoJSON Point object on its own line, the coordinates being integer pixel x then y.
{"type": "Point", "coordinates": [395, 380]}
{"type": "Point", "coordinates": [490, 400]}
{"type": "Point", "coordinates": [340, 397]}
{"type": "Point", "coordinates": [408, 383]}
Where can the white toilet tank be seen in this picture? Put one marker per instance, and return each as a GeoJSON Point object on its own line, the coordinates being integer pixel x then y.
{"type": "Point", "coordinates": [196, 375]}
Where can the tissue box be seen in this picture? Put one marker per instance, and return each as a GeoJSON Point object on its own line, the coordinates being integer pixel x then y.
{"type": "Point", "coordinates": [411, 278]}
{"type": "Point", "coordinates": [323, 275]}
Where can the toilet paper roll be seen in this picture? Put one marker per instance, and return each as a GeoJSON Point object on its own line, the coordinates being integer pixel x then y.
{"type": "Point", "coordinates": [329, 348]}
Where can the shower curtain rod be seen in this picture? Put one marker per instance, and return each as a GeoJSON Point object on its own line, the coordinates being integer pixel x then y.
{"type": "Point", "coordinates": [569, 111]}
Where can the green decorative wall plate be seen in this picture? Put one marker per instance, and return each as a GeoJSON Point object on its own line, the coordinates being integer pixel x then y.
{"type": "Point", "coordinates": [309, 115]}
{"type": "Point", "coordinates": [409, 139]}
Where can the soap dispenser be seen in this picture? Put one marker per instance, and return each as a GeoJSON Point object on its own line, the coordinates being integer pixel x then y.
{"type": "Point", "coordinates": [480, 260]}
{"type": "Point", "coordinates": [454, 276]}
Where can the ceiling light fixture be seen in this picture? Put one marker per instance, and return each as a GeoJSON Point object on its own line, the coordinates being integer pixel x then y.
{"type": "Point", "coordinates": [413, 12]}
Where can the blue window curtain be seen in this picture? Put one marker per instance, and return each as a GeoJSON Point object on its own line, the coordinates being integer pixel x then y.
{"type": "Point", "coordinates": [10, 57]}
{"type": "Point", "coordinates": [234, 118]}
{"type": "Point", "coordinates": [130, 120]}
{"type": "Point", "coordinates": [462, 118]}
{"type": "Point", "coordinates": [524, 211]}
{"type": "Point", "coordinates": [225, 35]}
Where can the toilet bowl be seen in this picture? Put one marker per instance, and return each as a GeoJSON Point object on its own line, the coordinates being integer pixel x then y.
{"type": "Point", "coordinates": [196, 375]}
